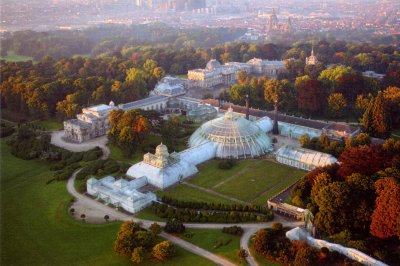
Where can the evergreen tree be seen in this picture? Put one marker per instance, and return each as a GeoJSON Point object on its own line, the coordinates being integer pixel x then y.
{"type": "Point", "coordinates": [367, 119]}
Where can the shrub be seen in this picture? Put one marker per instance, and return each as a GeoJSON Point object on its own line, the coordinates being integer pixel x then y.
{"type": "Point", "coordinates": [233, 230]}
{"type": "Point", "coordinates": [163, 250]}
{"type": "Point", "coordinates": [227, 164]}
{"type": "Point", "coordinates": [174, 226]}
{"type": "Point", "coordinates": [276, 226]}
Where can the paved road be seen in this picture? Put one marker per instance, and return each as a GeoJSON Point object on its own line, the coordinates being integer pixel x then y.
{"type": "Point", "coordinates": [57, 139]}
{"type": "Point", "coordinates": [249, 229]}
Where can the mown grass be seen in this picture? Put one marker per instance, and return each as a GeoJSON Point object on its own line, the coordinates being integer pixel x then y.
{"type": "Point", "coordinates": [210, 175]}
{"type": "Point", "coordinates": [13, 57]}
{"type": "Point", "coordinates": [186, 193]}
{"type": "Point", "coordinates": [36, 228]}
{"type": "Point", "coordinates": [208, 238]}
{"type": "Point", "coordinates": [260, 182]}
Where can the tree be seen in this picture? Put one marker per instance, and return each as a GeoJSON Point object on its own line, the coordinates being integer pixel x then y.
{"type": "Point", "coordinates": [274, 93]}
{"type": "Point", "coordinates": [155, 229]}
{"type": "Point", "coordinates": [163, 251]}
{"type": "Point", "coordinates": [387, 209]}
{"type": "Point", "coordinates": [365, 160]}
{"type": "Point", "coordinates": [392, 99]}
{"type": "Point", "coordinates": [311, 97]}
{"type": "Point", "coordinates": [320, 181]}
{"type": "Point", "coordinates": [334, 203]}
{"type": "Point", "coordinates": [137, 255]}
{"type": "Point", "coordinates": [106, 217]}
{"type": "Point", "coordinates": [380, 116]}
{"type": "Point", "coordinates": [126, 241]}
{"type": "Point", "coordinates": [306, 257]}
{"type": "Point", "coordinates": [337, 104]}
{"type": "Point", "coordinates": [174, 226]}
{"type": "Point", "coordinates": [362, 103]}
{"type": "Point", "coordinates": [242, 254]}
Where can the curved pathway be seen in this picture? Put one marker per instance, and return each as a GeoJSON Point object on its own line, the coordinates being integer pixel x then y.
{"type": "Point", "coordinates": [249, 229]}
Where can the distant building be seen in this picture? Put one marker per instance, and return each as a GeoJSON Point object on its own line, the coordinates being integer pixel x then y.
{"type": "Point", "coordinates": [91, 123]}
{"type": "Point", "coordinates": [340, 131]}
{"type": "Point", "coordinates": [312, 59]}
{"type": "Point", "coordinates": [121, 193]}
{"type": "Point", "coordinates": [216, 74]}
{"type": "Point", "coordinates": [373, 75]}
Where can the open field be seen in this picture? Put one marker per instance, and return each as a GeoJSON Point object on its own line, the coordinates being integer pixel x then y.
{"type": "Point", "coordinates": [184, 192]}
{"type": "Point", "coordinates": [210, 175]}
{"type": "Point", "coordinates": [252, 181]}
{"type": "Point", "coordinates": [36, 228]}
{"type": "Point", "coordinates": [207, 239]}
{"type": "Point", "coordinates": [13, 57]}
{"type": "Point", "coordinates": [260, 182]}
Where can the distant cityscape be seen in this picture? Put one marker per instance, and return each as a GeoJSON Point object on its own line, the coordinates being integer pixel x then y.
{"type": "Point", "coordinates": [258, 17]}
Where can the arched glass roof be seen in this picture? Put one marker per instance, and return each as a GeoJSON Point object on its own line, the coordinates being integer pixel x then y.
{"type": "Point", "coordinates": [202, 113]}
{"type": "Point", "coordinates": [234, 137]}
{"type": "Point", "coordinates": [305, 156]}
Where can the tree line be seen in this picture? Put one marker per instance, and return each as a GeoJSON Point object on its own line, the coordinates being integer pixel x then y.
{"type": "Point", "coordinates": [357, 202]}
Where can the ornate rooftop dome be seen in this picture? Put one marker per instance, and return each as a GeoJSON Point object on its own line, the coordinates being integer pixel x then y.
{"type": "Point", "coordinates": [161, 150]}
{"type": "Point", "coordinates": [212, 65]}
{"type": "Point", "coordinates": [234, 136]}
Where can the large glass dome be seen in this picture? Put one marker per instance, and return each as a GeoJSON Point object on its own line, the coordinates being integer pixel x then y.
{"type": "Point", "coordinates": [233, 136]}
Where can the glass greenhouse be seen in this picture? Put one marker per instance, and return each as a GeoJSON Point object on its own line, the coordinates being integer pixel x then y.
{"type": "Point", "coordinates": [296, 131]}
{"type": "Point", "coordinates": [233, 136]}
{"type": "Point", "coordinates": [202, 113]}
{"type": "Point", "coordinates": [303, 158]}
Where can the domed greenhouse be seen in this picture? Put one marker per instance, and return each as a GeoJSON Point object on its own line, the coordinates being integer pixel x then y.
{"type": "Point", "coordinates": [233, 136]}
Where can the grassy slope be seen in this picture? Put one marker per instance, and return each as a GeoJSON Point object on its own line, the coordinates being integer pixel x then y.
{"type": "Point", "coordinates": [266, 179]}
{"type": "Point", "coordinates": [36, 228]}
{"type": "Point", "coordinates": [205, 238]}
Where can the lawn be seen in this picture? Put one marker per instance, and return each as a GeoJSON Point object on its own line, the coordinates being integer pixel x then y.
{"type": "Point", "coordinates": [50, 124]}
{"type": "Point", "coordinates": [13, 57]}
{"type": "Point", "coordinates": [184, 192]}
{"type": "Point", "coordinates": [260, 182]}
{"type": "Point", "coordinates": [210, 175]}
{"type": "Point", "coordinates": [37, 230]}
{"type": "Point", "coordinates": [207, 239]}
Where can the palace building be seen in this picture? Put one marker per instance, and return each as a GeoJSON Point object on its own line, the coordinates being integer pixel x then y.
{"type": "Point", "coordinates": [216, 74]}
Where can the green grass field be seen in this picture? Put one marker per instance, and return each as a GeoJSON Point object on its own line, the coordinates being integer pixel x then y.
{"type": "Point", "coordinates": [210, 175]}
{"type": "Point", "coordinates": [50, 124]}
{"type": "Point", "coordinates": [37, 230]}
{"type": "Point", "coordinates": [260, 182]}
{"type": "Point", "coordinates": [13, 57]}
{"type": "Point", "coordinates": [184, 192]}
{"type": "Point", "coordinates": [206, 238]}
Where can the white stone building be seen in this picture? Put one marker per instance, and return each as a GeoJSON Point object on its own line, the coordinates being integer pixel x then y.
{"type": "Point", "coordinates": [121, 193]}
{"type": "Point", "coordinates": [91, 123]}
{"type": "Point", "coordinates": [216, 74]}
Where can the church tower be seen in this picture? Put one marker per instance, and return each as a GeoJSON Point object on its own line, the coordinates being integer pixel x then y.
{"type": "Point", "coordinates": [312, 59]}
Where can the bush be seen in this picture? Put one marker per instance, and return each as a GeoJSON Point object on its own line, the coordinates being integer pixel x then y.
{"type": "Point", "coordinates": [233, 230]}
{"type": "Point", "coordinates": [174, 226]}
{"type": "Point", "coordinates": [227, 164]}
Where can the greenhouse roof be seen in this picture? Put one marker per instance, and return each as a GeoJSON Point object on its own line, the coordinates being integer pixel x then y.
{"type": "Point", "coordinates": [305, 156]}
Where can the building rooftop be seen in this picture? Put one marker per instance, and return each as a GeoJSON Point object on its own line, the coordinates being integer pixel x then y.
{"type": "Point", "coordinates": [140, 103]}
{"type": "Point", "coordinates": [100, 108]}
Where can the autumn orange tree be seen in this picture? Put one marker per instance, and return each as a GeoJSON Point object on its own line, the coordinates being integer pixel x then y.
{"type": "Point", "coordinates": [163, 250]}
{"type": "Point", "coordinates": [128, 130]}
{"type": "Point", "coordinates": [387, 209]}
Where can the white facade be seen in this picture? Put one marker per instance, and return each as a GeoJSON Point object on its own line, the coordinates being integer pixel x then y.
{"type": "Point", "coordinates": [303, 158]}
{"type": "Point", "coordinates": [91, 123]}
{"type": "Point", "coordinates": [121, 193]}
{"type": "Point", "coordinates": [163, 171]}
{"type": "Point", "coordinates": [216, 74]}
